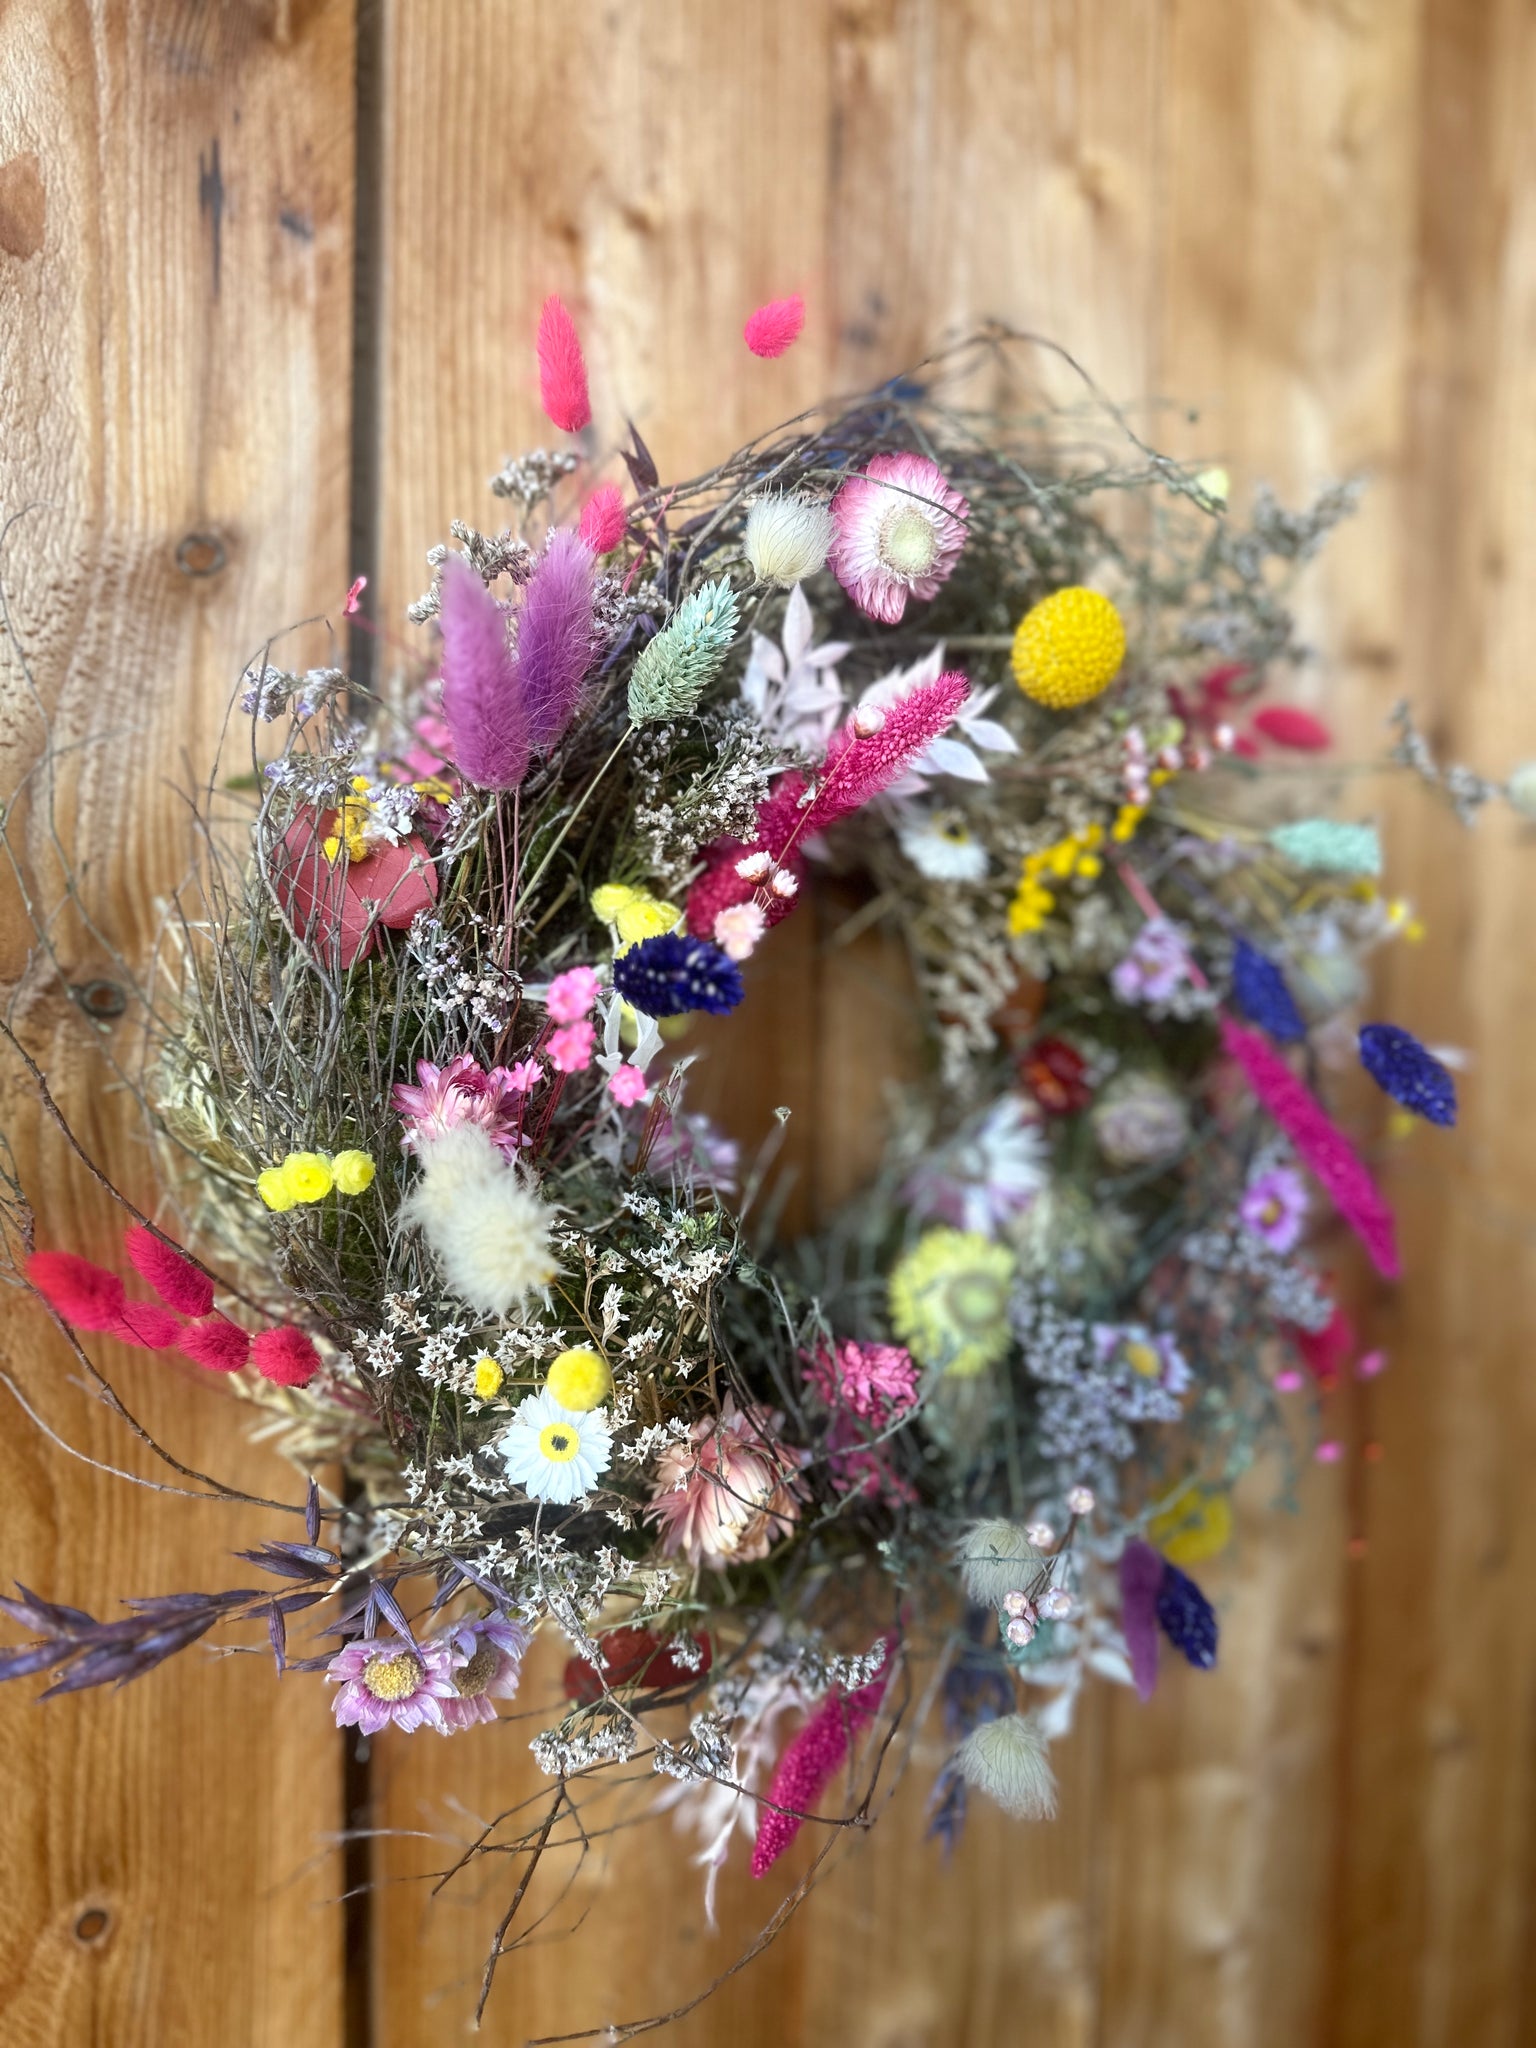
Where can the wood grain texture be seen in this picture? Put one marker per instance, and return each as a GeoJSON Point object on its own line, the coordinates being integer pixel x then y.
{"type": "Point", "coordinates": [175, 282]}
{"type": "Point", "coordinates": [1313, 224]}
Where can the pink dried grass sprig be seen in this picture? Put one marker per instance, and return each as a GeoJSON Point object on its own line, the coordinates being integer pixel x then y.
{"type": "Point", "coordinates": [484, 709]}
{"type": "Point", "coordinates": [775, 327]}
{"type": "Point", "coordinates": [812, 1760]}
{"type": "Point", "coordinates": [562, 369]}
{"type": "Point", "coordinates": [215, 1343]}
{"type": "Point", "coordinates": [285, 1356]}
{"type": "Point", "coordinates": [1321, 1146]}
{"type": "Point", "coordinates": [171, 1273]}
{"type": "Point", "coordinates": [602, 519]}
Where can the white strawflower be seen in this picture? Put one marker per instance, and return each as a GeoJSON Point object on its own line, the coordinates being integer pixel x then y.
{"type": "Point", "coordinates": [1006, 1761]}
{"type": "Point", "coordinates": [997, 1558]}
{"type": "Point", "coordinates": [555, 1453]}
{"type": "Point", "coordinates": [488, 1228]}
{"type": "Point", "coordinates": [942, 848]}
{"type": "Point", "coordinates": [787, 539]}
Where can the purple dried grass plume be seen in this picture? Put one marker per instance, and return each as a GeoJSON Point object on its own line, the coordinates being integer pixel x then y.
{"type": "Point", "coordinates": [1141, 1580]}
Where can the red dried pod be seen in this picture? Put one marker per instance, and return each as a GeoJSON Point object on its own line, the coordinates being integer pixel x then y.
{"type": "Point", "coordinates": [1325, 1352]}
{"type": "Point", "coordinates": [634, 1655]}
{"type": "Point", "coordinates": [1056, 1074]}
{"type": "Point", "coordinates": [1288, 727]}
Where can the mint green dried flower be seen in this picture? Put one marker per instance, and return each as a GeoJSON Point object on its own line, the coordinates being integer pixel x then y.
{"type": "Point", "coordinates": [1329, 847]}
{"type": "Point", "coordinates": [676, 667]}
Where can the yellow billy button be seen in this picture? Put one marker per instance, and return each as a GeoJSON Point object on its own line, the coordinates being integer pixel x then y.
{"type": "Point", "coordinates": [272, 1187]}
{"type": "Point", "coordinates": [307, 1176]}
{"type": "Point", "coordinates": [1068, 648]}
{"type": "Point", "coordinates": [488, 1379]}
{"type": "Point", "coordinates": [580, 1380]}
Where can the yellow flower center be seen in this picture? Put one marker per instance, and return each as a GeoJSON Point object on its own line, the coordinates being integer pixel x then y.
{"type": "Point", "coordinates": [559, 1442]}
{"type": "Point", "coordinates": [1143, 1359]}
{"type": "Point", "coordinates": [393, 1674]}
{"type": "Point", "coordinates": [976, 1301]}
{"type": "Point", "coordinates": [478, 1672]}
{"type": "Point", "coordinates": [907, 542]}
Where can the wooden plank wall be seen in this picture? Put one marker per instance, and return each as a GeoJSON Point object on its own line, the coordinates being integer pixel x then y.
{"type": "Point", "coordinates": [1313, 224]}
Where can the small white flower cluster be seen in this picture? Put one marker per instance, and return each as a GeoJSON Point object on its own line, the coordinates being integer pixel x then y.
{"type": "Point", "coordinates": [708, 1751]}
{"type": "Point", "coordinates": [479, 991]}
{"type": "Point", "coordinates": [562, 1755]}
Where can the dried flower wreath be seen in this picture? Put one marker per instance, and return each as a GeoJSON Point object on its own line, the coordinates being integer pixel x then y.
{"type": "Point", "coordinates": [418, 1049]}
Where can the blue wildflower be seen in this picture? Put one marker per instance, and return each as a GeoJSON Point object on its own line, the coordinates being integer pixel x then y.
{"type": "Point", "coordinates": [1259, 990]}
{"type": "Point", "coordinates": [665, 976]}
{"type": "Point", "coordinates": [1408, 1072]}
{"type": "Point", "coordinates": [1186, 1617]}
{"type": "Point", "coordinates": [946, 1809]}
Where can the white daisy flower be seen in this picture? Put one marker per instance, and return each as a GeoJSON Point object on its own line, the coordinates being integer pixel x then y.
{"type": "Point", "coordinates": [553, 1453]}
{"type": "Point", "coordinates": [941, 847]}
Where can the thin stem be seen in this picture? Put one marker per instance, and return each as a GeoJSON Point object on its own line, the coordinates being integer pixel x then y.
{"type": "Point", "coordinates": [581, 802]}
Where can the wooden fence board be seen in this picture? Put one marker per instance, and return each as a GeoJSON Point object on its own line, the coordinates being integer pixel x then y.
{"type": "Point", "coordinates": [175, 289]}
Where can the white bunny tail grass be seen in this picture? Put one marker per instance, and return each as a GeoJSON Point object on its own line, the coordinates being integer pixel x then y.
{"type": "Point", "coordinates": [488, 1228]}
{"type": "Point", "coordinates": [787, 539]}
{"type": "Point", "coordinates": [1006, 1761]}
{"type": "Point", "coordinates": [997, 1558]}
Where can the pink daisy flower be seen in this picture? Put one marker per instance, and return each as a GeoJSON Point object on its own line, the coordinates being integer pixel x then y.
{"type": "Point", "coordinates": [1274, 1208]}
{"type": "Point", "coordinates": [572, 994]}
{"type": "Point", "coordinates": [487, 1662]}
{"type": "Point", "coordinates": [460, 1093]}
{"type": "Point", "coordinates": [384, 1682]}
{"type": "Point", "coordinates": [570, 1048]}
{"type": "Point", "coordinates": [900, 529]}
{"type": "Point", "coordinates": [729, 1491]}
{"type": "Point", "coordinates": [525, 1077]}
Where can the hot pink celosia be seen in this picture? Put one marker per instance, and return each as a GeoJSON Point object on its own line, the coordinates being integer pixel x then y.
{"type": "Point", "coordinates": [812, 1760]}
{"type": "Point", "coordinates": [570, 1048]}
{"type": "Point", "coordinates": [1321, 1146]}
{"type": "Point", "coordinates": [900, 529]}
{"type": "Point", "coordinates": [730, 1490]}
{"type": "Point", "coordinates": [572, 994]}
{"type": "Point", "coordinates": [462, 1093]}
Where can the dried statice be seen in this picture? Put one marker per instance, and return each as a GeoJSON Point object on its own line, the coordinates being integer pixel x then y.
{"type": "Point", "coordinates": [707, 1752]}
{"type": "Point", "coordinates": [504, 554]}
{"type": "Point", "coordinates": [1466, 790]}
{"type": "Point", "coordinates": [529, 478]}
{"type": "Point", "coordinates": [699, 783]}
{"type": "Point", "coordinates": [271, 693]}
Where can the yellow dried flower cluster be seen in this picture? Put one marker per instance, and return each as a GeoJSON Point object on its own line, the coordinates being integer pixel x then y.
{"type": "Point", "coordinates": [310, 1176]}
{"type": "Point", "coordinates": [633, 914]}
{"type": "Point", "coordinates": [1075, 858]}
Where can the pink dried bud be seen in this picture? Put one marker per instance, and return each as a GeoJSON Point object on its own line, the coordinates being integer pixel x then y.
{"type": "Point", "coordinates": [755, 867]}
{"type": "Point", "coordinates": [1021, 1631]}
{"type": "Point", "coordinates": [1040, 1534]}
{"type": "Point", "coordinates": [1198, 759]}
{"type": "Point", "coordinates": [1287, 1380]}
{"type": "Point", "coordinates": [1056, 1604]}
{"type": "Point", "coordinates": [1329, 1451]}
{"type": "Point", "coordinates": [1224, 738]}
{"type": "Point", "coordinates": [1018, 1605]}
{"type": "Point", "coordinates": [1080, 1500]}
{"type": "Point", "coordinates": [1169, 758]}
{"type": "Point", "coordinates": [1135, 745]}
{"type": "Point", "coordinates": [868, 719]}
{"type": "Point", "coordinates": [784, 884]}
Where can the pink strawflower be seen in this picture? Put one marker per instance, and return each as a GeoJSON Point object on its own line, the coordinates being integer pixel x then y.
{"type": "Point", "coordinates": [524, 1077]}
{"type": "Point", "coordinates": [462, 1093]}
{"type": "Point", "coordinates": [384, 1682]}
{"type": "Point", "coordinates": [876, 1382]}
{"type": "Point", "coordinates": [602, 519]}
{"type": "Point", "coordinates": [572, 994]}
{"type": "Point", "coordinates": [812, 1760]}
{"type": "Point", "coordinates": [1321, 1145]}
{"type": "Point", "coordinates": [626, 1085]}
{"type": "Point", "coordinates": [729, 1491]}
{"type": "Point", "coordinates": [775, 327]}
{"type": "Point", "coordinates": [170, 1272]}
{"type": "Point", "coordinates": [486, 1662]}
{"type": "Point", "coordinates": [570, 1048]}
{"type": "Point", "coordinates": [562, 369]}
{"type": "Point", "coordinates": [1274, 1208]}
{"type": "Point", "coordinates": [738, 928]}
{"type": "Point", "coordinates": [900, 529]}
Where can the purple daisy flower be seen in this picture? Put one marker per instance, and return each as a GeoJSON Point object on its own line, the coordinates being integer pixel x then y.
{"type": "Point", "coordinates": [384, 1682]}
{"type": "Point", "coordinates": [487, 1658]}
{"type": "Point", "coordinates": [1274, 1207]}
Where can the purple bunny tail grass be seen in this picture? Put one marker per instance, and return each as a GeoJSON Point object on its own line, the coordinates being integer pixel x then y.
{"type": "Point", "coordinates": [811, 1761]}
{"type": "Point", "coordinates": [482, 700]}
{"type": "Point", "coordinates": [1141, 1580]}
{"type": "Point", "coordinates": [1320, 1144]}
{"type": "Point", "coordinates": [554, 637]}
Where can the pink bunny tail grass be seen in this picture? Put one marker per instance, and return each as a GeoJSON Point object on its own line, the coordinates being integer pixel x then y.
{"type": "Point", "coordinates": [775, 327]}
{"type": "Point", "coordinates": [811, 1761]}
{"type": "Point", "coordinates": [482, 701]}
{"type": "Point", "coordinates": [602, 519]}
{"type": "Point", "coordinates": [172, 1275]}
{"type": "Point", "coordinates": [147, 1325]}
{"type": "Point", "coordinates": [1141, 1578]}
{"type": "Point", "coordinates": [285, 1356]}
{"type": "Point", "coordinates": [562, 369]}
{"type": "Point", "coordinates": [1320, 1144]}
{"type": "Point", "coordinates": [87, 1296]}
{"type": "Point", "coordinates": [216, 1344]}
{"type": "Point", "coordinates": [858, 769]}
{"type": "Point", "coordinates": [554, 638]}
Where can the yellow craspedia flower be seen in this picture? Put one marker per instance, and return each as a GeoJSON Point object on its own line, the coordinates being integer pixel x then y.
{"type": "Point", "coordinates": [1068, 648]}
{"type": "Point", "coordinates": [307, 1176]}
{"type": "Point", "coordinates": [1197, 1526]}
{"type": "Point", "coordinates": [948, 1300]}
{"type": "Point", "coordinates": [579, 1379]}
{"type": "Point", "coordinates": [352, 1171]}
{"type": "Point", "coordinates": [272, 1187]}
{"type": "Point", "coordinates": [645, 917]}
{"type": "Point", "coordinates": [488, 1379]}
